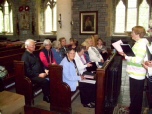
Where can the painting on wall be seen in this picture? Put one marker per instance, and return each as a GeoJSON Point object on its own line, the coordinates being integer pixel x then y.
{"type": "Point", "coordinates": [88, 22]}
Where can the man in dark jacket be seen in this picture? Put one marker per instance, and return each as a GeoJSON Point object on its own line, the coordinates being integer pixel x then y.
{"type": "Point", "coordinates": [34, 69]}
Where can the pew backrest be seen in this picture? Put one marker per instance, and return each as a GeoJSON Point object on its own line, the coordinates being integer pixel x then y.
{"type": "Point", "coordinates": [11, 52]}
{"type": "Point", "coordinates": [10, 48]}
{"type": "Point", "coordinates": [59, 91]}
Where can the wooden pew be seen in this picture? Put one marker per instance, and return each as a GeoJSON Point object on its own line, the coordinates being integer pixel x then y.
{"type": "Point", "coordinates": [10, 48]}
{"type": "Point", "coordinates": [103, 76]}
{"type": "Point", "coordinates": [11, 52]}
{"type": "Point", "coordinates": [7, 61]}
{"type": "Point", "coordinates": [61, 96]}
{"type": "Point", "coordinates": [23, 84]}
{"type": "Point", "coordinates": [60, 93]}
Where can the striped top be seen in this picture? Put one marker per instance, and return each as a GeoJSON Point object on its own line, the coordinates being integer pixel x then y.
{"type": "Point", "coordinates": [134, 64]}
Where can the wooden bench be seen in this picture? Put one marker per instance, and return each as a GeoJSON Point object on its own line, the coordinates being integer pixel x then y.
{"type": "Point", "coordinates": [23, 84]}
{"type": "Point", "coordinates": [61, 96]}
{"type": "Point", "coordinates": [11, 52]}
{"type": "Point", "coordinates": [10, 48]}
{"type": "Point", "coordinates": [60, 93]}
{"type": "Point", "coordinates": [7, 61]}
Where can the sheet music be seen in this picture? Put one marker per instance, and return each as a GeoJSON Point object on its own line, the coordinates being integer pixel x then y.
{"type": "Point", "coordinates": [117, 46]}
{"type": "Point", "coordinates": [88, 81]}
{"type": "Point", "coordinates": [89, 76]}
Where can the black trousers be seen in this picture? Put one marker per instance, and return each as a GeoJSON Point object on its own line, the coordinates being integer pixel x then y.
{"type": "Point", "coordinates": [149, 93]}
{"type": "Point", "coordinates": [136, 95]}
{"type": "Point", "coordinates": [43, 83]}
{"type": "Point", "coordinates": [87, 92]}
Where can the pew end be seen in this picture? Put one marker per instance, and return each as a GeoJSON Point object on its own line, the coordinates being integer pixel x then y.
{"type": "Point", "coordinates": [23, 84]}
{"type": "Point", "coordinates": [61, 96]}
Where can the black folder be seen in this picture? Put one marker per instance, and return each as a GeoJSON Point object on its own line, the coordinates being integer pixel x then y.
{"type": "Point", "coordinates": [92, 68]}
{"type": "Point", "coordinates": [127, 50]}
{"type": "Point", "coordinates": [149, 54]}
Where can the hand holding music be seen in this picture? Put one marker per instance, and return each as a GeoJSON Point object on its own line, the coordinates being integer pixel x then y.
{"type": "Point", "coordinates": [122, 54]}
{"type": "Point", "coordinates": [148, 63]}
{"type": "Point", "coordinates": [102, 61]}
{"type": "Point", "coordinates": [89, 65]}
{"type": "Point", "coordinates": [82, 77]}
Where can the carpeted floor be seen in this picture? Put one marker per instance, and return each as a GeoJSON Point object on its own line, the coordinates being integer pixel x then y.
{"type": "Point", "coordinates": [77, 107]}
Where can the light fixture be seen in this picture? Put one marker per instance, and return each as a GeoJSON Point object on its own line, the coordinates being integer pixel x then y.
{"type": "Point", "coordinates": [71, 22]}
{"type": "Point", "coordinates": [59, 20]}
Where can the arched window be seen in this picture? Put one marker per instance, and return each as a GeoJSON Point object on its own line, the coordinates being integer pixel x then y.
{"type": "Point", "coordinates": [50, 16]}
{"type": "Point", "coordinates": [130, 13]}
{"type": "Point", "coordinates": [6, 18]}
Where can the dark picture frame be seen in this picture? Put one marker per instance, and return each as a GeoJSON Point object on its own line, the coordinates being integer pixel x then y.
{"type": "Point", "coordinates": [88, 22]}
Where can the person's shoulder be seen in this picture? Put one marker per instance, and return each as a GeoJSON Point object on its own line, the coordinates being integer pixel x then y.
{"type": "Point", "coordinates": [64, 61]}
{"type": "Point", "coordinates": [24, 56]}
{"type": "Point", "coordinates": [89, 49]}
{"type": "Point", "coordinates": [144, 41]}
{"type": "Point", "coordinates": [53, 49]}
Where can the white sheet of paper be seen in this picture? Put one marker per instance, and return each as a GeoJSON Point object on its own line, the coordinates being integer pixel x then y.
{"type": "Point", "coordinates": [88, 81]}
{"type": "Point", "coordinates": [89, 76]}
{"type": "Point", "coordinates": [117, 46]}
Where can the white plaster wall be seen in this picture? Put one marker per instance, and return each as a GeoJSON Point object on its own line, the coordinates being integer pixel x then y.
{"type": "Point", "coordinates": [64, 8]}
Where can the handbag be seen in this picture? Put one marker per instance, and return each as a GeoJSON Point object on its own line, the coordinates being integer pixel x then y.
{"type": "Point", "coordinates": [120, 110]}
{"type": "Point", "coordinates": [3, 72]}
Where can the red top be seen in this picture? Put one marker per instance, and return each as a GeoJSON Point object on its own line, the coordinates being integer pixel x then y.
{"type": "Point", "coordinates": [44, 60]}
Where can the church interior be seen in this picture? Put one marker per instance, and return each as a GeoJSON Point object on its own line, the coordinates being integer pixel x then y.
{"type": "Point", "coordinates": [85, 23]}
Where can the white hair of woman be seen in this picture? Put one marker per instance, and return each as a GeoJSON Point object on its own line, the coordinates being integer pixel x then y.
{"type": "Point", "coordinates": [47, 42]}
{"type": "Point", "coordinates": [28, 42]}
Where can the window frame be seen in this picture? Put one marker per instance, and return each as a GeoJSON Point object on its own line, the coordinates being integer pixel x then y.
{"type": "Point", "coordinates": [9, 18]}
{"type": "Point", "coordinates": [125, 33]}
{"type": "Point", "coordinates": [52, 9]}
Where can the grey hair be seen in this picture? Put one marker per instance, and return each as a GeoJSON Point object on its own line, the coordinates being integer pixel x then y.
{"type": "Point", "coordinates": [46, 42]}
{"type": "Point", "coordinates": [55, 44]}
{"type": "Point", "coordinates": [28, 41]}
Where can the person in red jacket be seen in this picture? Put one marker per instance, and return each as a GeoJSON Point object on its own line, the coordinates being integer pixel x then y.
{"type": "Point", "coordinates": [46, 55]}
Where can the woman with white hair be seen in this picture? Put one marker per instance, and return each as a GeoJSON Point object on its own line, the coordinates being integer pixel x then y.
{"type": "Point", "coordinates": [46, 55]}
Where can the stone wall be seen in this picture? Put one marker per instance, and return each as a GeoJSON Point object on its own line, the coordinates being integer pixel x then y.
{"type": "Point", "coordinates": [103, 8]}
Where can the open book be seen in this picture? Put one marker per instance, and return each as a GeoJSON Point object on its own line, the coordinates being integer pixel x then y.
{"type": "Point", "coordinates": [127, 49]}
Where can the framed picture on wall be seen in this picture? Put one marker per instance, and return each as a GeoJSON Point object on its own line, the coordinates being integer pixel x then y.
{"type": "Point", "coordinates": [88, 22]}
